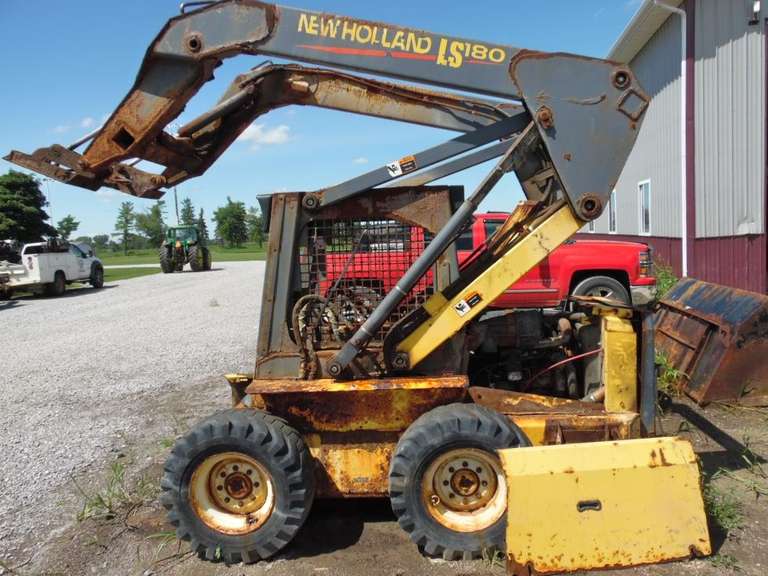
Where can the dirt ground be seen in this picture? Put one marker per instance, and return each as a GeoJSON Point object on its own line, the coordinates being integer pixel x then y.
{"type": "Point", "coordinates": [362, 537]}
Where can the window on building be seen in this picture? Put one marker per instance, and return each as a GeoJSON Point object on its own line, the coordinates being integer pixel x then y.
{"type": "Point", "coordinates": [644, 193]}
{"type": "Point", "coordinates": [612, 213]}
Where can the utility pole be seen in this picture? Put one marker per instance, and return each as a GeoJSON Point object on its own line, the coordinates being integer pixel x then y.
{"type": "Point", "coordinates": [176, 202]}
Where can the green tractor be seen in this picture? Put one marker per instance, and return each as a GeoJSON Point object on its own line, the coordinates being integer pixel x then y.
{"type": "Point", "coordinates": [184, 244]}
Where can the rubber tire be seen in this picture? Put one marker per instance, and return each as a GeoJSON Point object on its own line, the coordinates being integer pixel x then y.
{"type": "Point", "coordinates": [166, 263]}
{"type": "Point", "coordinates": [272, 442]}
{"type": "Point", "coordinates": [97, 276]}
{"type": "Point", "coordinates": [58, 286]}
{"type": "Point", "coordinates": [206, 258]}
{"type": "Point", "coordinates": [592, 283]}
{"type": "Point", "coordinates": [196, 259]}
{"type": "Point", "coordinates": [447, 427]}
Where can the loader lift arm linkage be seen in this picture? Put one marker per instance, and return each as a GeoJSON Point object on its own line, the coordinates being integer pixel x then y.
{"type": "Point", "coordinates": [566, 129]}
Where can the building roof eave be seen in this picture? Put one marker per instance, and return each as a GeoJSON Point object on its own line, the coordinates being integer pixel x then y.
{"type": "Point", "coordinates": [641, 28]}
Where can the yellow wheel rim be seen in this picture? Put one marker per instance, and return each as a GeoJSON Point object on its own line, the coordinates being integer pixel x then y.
{"type": "Point", "coordinates": [464, 490]}
{"type": "Point", "coordinates": [232, 493]}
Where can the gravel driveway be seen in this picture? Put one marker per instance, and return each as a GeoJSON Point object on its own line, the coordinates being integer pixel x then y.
{"type": "Point", "coordinates": [82, 373]}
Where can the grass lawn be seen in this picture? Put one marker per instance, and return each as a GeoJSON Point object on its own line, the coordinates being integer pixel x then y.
{"type": "Point", "coordinates": [111, 275]}
{"type": "Point", "coordinates": [218, 253]}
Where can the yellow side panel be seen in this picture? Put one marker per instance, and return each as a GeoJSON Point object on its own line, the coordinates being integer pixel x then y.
{"type": "Point", "coordinates": [619, 364]}
{"type": "Point", "coordinates": [595, 505]}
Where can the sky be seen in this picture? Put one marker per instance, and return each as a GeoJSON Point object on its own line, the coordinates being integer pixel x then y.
{"type": "Point", "coordinates": [67, 65]}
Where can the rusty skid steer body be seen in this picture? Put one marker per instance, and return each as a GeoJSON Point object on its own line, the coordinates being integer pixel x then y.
{"type": "Point", "coordinates": [381, 368]}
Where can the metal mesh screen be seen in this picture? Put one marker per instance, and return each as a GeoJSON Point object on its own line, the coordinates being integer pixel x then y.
{"type": "Point", "coordinates": [354, 263]}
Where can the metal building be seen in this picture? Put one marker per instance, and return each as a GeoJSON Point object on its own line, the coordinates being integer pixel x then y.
{"type": "Point", "coordinates": [715, 164]}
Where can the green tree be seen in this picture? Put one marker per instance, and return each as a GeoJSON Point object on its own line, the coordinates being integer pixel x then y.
{"type": "Point", "coordinates": [255, 223]}
{"type": "Point", "coordinates": [67, 225]}
{"type": "Point", "coordinates": [151, 223]}
{"type": "Point", "coordinates": [126, 219]}
{"type": "Point", "coordinates": [187, 212]}
{"type": "Point", "coordinates": [202, 226]}
{"type": "Point", "coordinates": [22, 208]}
{"type": "Point", "coordinates": [84, 240]}
{"type": "Point", "coordinates": [101, 241]}
{"type": "Point", "coordinates": [231, 223]}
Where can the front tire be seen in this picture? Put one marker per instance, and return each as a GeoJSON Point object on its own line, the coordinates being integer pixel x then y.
{"type": "Point", "coordinates": [238, 486]}
{"type": "Point", "coordinates": [446, 484]}
{"type": "Point", "coordinates": [603, 286]}
{"type": "Point", "coordinates": [97, 277]}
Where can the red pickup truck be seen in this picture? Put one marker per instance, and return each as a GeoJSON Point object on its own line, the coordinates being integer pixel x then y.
{"type": "Point", "coordinates": [618, 270]}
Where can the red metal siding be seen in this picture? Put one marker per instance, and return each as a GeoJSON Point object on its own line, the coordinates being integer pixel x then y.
{"type": "Point", "coordinates": [737, 261]}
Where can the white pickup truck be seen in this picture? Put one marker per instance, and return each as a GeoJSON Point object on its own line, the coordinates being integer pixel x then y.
{"type": "Point", "coordinates": [48, 267]}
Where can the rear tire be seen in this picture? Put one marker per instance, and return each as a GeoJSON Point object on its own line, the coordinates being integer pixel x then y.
{"type": "Point", "coordinates": [603, 286]}
{"type": "Point", "coordinates": [446, 484]}
{"type": "Point", "coordinates": [58, 286]}
{"type": "Point", "coordinates": [245, 470]}
{"type": "Point", "coordinates": [206, 258]}
{"type": "Point", "coordinates": [196, 259]}
{"type": "Point", "coordinates": [166, 262]}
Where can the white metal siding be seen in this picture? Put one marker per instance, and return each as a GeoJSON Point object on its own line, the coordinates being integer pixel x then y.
{"type": "Point", "coordinates": [656, 155]}
{"type": "Point", "coordinates": [730, 120]}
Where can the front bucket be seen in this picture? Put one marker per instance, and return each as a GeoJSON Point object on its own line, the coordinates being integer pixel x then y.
{"type": "Point", "coordinates": [603, 504]}
{"type": "Point", "coordinates": [717, 337]}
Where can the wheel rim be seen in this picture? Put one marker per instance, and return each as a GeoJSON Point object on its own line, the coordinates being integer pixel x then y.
{"type": "Point", "coordinates": [232, 493]}
{"type": "Point", "coordinates": [464, 490]}
{"type": "Point", "coordinates": [602, 291]}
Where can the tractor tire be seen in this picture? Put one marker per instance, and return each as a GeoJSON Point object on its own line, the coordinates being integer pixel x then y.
{"type": "Point", "coordinates": [196, 259]}
{"type": "Point", "coordinates": [166, 262]}
{"type": "Point", "coordinates": [97, 276]}
{"type": "Point", "coordinates": [206, 258]}
{"type": "Point", "coordinates": [58, 286]}
{"type": "Point", "coordinates": [446, 484]}
{"type": "Point", "coordinates": [603, 286]}
{"type": "Point", "coordinates": [238, 486]}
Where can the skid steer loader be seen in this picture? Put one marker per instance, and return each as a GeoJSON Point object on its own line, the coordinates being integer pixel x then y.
{"type": "Point", "coordinates": [471, 421]}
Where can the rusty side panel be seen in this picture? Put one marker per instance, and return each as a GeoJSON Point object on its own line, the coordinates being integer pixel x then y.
{"type": "Point", "coordinates": [718, 338]}
{"type": "Point", "coordinates": [352, 466]}
{"type": "Point", "coordinates": [365, 405]}
{"type": "Point", "coordinates": [546, 429]}
{"type": "Point", "coordinates": [507, 402]}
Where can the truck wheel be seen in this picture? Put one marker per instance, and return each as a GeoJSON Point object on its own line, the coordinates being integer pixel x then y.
{"type": "Point", "coordinates": [603, 286]}
{"type": "Point", "coordinates": [97, 277]}
{"type": "Point", "coordinates": [58, 286]}
{"type": "Point", "coordinates": [446, 484]}
{"type": "Point", "coordinates": [206, 258]}
{"type": "Point", "coordinates": [238, 486]}
{"type": "Point", "coordinates": [166, 262]}
{"type": "Point", "coordinates": [196, 259]}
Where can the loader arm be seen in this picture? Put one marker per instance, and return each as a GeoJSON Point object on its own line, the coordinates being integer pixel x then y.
{"type": "Point", "coordinates": [586, 109]}
{"type": "Point", "coordinates": [200, 142]}
{"type": "Point", "coordinates": [567, 140]}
